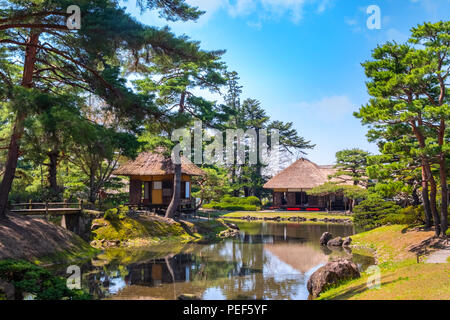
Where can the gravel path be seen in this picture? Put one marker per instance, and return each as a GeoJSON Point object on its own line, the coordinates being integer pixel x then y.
{"type": "Point", "coordinates": [439, 256]}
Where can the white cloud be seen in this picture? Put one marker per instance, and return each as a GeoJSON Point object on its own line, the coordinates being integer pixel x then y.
{"type": "Point", "coordinates": [294, 8]}
{"type": "Point", "coordinates": [330, 108]}
{"type": "Point", "coordinates": [255, 25]}
{"type": "Point", "coordinates": [265, 9]}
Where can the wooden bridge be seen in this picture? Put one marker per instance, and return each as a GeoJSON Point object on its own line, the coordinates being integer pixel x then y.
{"type": "Point", "coordinates": [47, 208]}
{"type": "Point", "coordinates": [71, 213]}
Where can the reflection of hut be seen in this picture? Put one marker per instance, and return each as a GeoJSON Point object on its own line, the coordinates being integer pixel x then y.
{"type": "Point", "coordinates": [300, 257]}
{"type": "Point", "coordinates": [151, 179]}
{"type": "Point", "coordinates": [290, 187]}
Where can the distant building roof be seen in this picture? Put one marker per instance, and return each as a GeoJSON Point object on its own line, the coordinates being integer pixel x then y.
{"type": "Point", "coordinates": [154, 164]}
{"type": "Point", "coordinates": [302, 174]}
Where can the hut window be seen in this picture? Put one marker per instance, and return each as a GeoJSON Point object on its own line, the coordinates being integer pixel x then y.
{"type": "Point", "coordinates": [157, 185]}
{"type": "Point", "coordinates": [187, 190]}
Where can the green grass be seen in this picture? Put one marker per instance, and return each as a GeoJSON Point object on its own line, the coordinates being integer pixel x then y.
{"type": "Point", "coordinates": [402, 278]}
{"type": "Point", "coordinates": [283, 214]}
{"type": "Point", "coordinates": [405, 280]}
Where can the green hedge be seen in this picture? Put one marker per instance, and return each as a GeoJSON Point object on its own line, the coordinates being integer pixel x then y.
{"type": "Point", "coordinates": [229, 203]}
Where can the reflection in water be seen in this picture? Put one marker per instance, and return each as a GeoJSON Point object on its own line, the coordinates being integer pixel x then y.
{"type": "Point", "coordinates": [269, 261]}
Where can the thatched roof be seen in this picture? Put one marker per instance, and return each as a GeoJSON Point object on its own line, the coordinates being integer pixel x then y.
{"type": "Point", "coordinates": [302, 174]}
{"type": "Point", "coordinates": [155, 164]}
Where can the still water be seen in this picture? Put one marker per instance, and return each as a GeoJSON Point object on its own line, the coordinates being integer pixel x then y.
{"type": "Point", "coordinates": [269, 261]}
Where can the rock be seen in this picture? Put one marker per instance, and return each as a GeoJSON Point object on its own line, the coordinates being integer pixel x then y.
{"type": "Point", "coordinates": [188, 297]}
{"type": "Point", "coordinates": [313, 219]}
{"type": "Point", "coordinates": [347, 242]}
{"type": "Point", "coordinates": [232, 226]}
{"type": "Point", "coordinates": [336, 242]}
{"type": "Point", "coordinates": [7, 290]}
{"type": "Point", "coordinates": [331, 273]}
{"type": "Point", "coordinates": [230, 233]}
{"type": "Point", "coordinates": [326, 236]}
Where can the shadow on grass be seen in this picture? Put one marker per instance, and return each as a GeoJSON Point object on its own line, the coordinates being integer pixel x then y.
{"type": "Point", "coordinates": [348, 294]}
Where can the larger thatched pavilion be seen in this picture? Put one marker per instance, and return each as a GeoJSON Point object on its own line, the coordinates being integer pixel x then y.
{"type": "Point", "coordinates": [290, 187]}
{"type": "Point", "coordinates": [151, 179]}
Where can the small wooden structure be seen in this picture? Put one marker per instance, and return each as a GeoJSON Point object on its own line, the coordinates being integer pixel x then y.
{"type": "Point", "coordinates": [47, 208]}
{"type": "Point", "coordinates": [290, 188]}
{"type": "Point", "coordinates": [151, 180]}
{"type": "Point", "coordinates": [71, 213]}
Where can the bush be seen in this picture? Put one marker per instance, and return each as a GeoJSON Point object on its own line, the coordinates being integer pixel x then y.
{"type": "Point", "coordinates": [370, 213]}
{"type": "Point", "coordinates": [119, 213]}
{"type": "Point", "coordinates": [254, 201]}
{"type": "Point", "coordinates": [410, 215]}
{"type": "Point", "coordinates": [30, 278]}
{"type": "Point", "coordinates": [229, 203]}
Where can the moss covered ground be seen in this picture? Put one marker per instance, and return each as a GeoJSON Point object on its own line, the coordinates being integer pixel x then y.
{"type": "Point", "coordinates": [153, 229]}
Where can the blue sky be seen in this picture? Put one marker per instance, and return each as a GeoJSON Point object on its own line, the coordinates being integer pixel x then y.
{"type": "Point", "coordinates": [301, 58]}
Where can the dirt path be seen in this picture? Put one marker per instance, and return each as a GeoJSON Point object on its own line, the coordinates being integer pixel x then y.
{"type": "Point", "coordinates": [439, 256]}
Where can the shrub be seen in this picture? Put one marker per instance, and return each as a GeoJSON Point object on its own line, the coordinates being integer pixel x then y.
{"type": "Point", "coordinates": [30, 278]}
{"type": "Point", "coordinates": [370, 213]}
{"type": "Point", "coordinates": [235, 204]}
{"type": "Point", "coordinates": [250, 201]}
{"type": "Point", "coordinates": [119, 213]}
{"type": "Point", "coordinates": [410, 215]}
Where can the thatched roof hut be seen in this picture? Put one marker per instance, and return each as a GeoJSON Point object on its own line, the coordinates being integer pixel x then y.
{"type": "Point", "coordinates": [151, 179]}
{"type": "Point", "coordinates": [155, 164]}
{"type": "Point", "coordinates": [302, 174]}
{"type": "Point", "coordinates": [290, 185]}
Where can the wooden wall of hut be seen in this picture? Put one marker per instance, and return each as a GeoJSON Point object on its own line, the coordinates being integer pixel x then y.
{"type": "Point", "coordinates": [161, 187]}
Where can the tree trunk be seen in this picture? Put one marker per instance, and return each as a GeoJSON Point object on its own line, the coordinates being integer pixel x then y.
{"type": "Point", "coordinates": [173, 206]}
{"type": "Point", "coordinates": [426, 200]}
{"type": "Point", "coordinates": [11, 165]}
{"type": "Point", "coordinates": [92, 188]}
{"type": "Point", "coordinates": [52, 173]}
{"type": "Point", "coordinates": [415, 196]}
{"type": "Point", "coordinates": [14, 145]}
{"type": "Point", "coordinates": [428, 176]}
{"type": "Point", "coordinates": [444, 195]}
{"type": "Point", "coordinates": [434, 211]}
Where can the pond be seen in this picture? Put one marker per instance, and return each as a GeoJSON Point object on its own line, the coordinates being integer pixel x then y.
{"type": "Point", "coordinates": [268, 261]}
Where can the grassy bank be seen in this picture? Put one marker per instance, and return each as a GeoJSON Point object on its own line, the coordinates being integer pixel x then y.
{"type": "Point", "coordinates": [147, 230]}
{"type": "Point", "coordinates": [401, 276]}
{"type": "Point", "coordinates": [286, 215]}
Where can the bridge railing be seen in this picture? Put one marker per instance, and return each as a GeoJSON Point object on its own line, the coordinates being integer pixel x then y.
{"type": "Point", "coordinates": [46, 205]}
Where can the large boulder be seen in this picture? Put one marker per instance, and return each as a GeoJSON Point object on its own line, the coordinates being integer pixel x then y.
{"type": "Point", "coordinates": [331, 273]}
{"type": "Point", "coordinates": [347, 242]}
{"type": "Point", "coordinates": [336, 242]}
{"type": "Point", "coordinates": [326, 236]}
